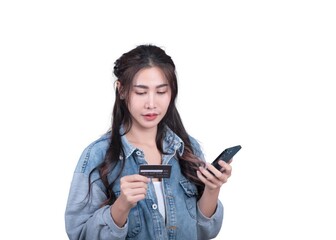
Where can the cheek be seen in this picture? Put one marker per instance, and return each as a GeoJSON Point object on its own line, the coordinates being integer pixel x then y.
{"type": "Point", "coordinates": [166, 102]}
{"type": "Point", "coordinates": [133, 106]}
{"type": "Point", "coordinates": [169, 98]}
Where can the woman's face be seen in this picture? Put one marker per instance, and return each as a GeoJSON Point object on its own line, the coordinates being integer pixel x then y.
{"type": "Point", "coordinates": [149, 98]}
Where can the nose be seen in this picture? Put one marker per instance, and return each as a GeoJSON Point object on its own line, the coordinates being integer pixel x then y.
{"type": "Point", "coordinates": [150, 102]}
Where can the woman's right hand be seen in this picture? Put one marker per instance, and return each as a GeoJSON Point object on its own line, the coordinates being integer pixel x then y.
{"type": "Point", "coordinates": [133, 189]}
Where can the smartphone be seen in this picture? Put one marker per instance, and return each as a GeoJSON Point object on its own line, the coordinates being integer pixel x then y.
{"type": "Point", "coordinates": [226, 156]}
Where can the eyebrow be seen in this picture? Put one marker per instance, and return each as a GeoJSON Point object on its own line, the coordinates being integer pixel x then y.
{"type": "Point", "coordinates": [146, 87]}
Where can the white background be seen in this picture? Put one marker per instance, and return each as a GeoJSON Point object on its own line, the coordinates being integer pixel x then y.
{"type": "Point", "coordinates": [255, 73]}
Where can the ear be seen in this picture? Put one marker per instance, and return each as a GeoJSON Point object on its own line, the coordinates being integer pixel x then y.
{"type": "Point", "coordinates": [120, 89]}
{"type": "Point", "coordinates": [118, 85]}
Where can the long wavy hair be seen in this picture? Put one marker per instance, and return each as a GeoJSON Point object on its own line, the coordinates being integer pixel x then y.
{"type": "Point", "coordinates": [125, 68]}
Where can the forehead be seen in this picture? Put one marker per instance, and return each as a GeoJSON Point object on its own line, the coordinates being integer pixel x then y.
{"type": "Point", "coordinates": [150, 76]}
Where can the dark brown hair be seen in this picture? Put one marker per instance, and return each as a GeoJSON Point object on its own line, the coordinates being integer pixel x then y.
{"type": "Point", "coordinates": [145, 56]}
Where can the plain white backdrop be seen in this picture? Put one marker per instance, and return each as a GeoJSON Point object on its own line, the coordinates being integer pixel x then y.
{"type": "Point", "coordinates": [255, 73]}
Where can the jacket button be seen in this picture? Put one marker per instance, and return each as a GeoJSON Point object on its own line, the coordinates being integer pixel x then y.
{"type": "Point", "coordinates": [154, 206]}
{"type": "Point", "coordinates": [138, 153]}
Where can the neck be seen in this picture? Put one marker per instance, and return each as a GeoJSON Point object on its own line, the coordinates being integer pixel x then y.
{"type": "Point", "coordinates": [141, 136]}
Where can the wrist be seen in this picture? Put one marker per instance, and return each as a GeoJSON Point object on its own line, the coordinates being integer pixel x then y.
{"type": "Point", "coordinates": [211, 191]}
{"type": "Point", "coordinates": [119, 213]}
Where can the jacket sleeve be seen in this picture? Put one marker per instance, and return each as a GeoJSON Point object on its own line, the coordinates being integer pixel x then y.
{"type": "Point", "coordinates": [208, 228]}
{"type": "Point", "coordinates": [84, 218]}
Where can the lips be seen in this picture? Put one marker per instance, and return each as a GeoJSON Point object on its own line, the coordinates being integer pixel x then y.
{"type": "Point", "coordinates": [150, 116]}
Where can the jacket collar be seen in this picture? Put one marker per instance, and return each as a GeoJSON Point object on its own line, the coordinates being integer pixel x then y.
{"type": "Point", "coordinates": [171, 143]}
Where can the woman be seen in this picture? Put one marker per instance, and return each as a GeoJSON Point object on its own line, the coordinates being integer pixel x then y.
{"type": "Point", "coordinates": [108, 197]}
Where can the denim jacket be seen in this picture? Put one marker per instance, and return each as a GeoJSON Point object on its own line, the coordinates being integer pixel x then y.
{"type": "Point", "coordinates": [86, 219]}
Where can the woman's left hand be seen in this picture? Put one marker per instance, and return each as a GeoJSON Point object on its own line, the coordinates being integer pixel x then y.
{"type": "Point", "coordinates": [218, 178]}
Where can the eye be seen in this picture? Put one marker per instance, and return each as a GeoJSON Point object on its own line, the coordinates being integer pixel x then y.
{"type": "Point", "coordinates": [161, 92]}
{"type": "Point", "coordinates": [140, 93]}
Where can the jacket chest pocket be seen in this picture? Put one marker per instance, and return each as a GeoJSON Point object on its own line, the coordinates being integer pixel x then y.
{"type": "Point", "coordinates": [191, 193]}
{"type": "Point", "coordinates": [134, 220]}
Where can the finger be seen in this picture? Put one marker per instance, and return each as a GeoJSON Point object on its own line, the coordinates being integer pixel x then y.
{"type": "Point", "coordinates": [133, 181]}
{"type": "Point", "coordinates": [211, 177]}
{"type": "Point", "coordinates": [135, 191]}
{"type": "Point", "coordinates": [135, 178]}
{"type": "Point", "coordinates": [133, 199]}
{"type": "Point", "coordinates": [205, 181]}
{"type": "Point", "coordinates": [213, 170]}
{"type": "Point", "coordinates": [226, 167]}
{"type": "Point", "coordinates": [133, 195]}
{"type": "Point", "coordinates": [133, 185]}
{"type": "Point", "coordinates": [220, 177]}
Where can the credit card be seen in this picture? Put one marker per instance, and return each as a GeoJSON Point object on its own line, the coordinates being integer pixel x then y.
{"type": "Point", "coordinates": [155, 171]}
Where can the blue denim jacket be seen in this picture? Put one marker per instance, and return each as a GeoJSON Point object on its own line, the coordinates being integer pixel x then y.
{"type": "Point", "coordinates": [87, 220]}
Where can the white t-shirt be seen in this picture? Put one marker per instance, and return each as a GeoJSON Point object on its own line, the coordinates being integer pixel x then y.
{"type": "Point", "coordinates": [159, 196]}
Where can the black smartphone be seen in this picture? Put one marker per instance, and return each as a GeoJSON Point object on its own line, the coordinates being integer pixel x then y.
{"type": "Point", "coordinates": [226, 156]}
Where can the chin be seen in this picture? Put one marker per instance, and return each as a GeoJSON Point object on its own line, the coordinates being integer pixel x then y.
{"type": "Point", "coordinates": [148, 125]}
